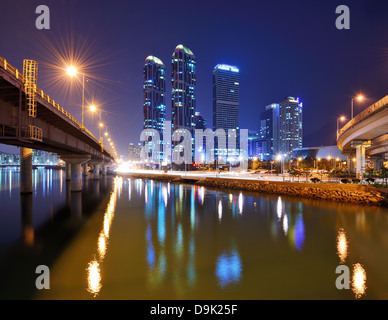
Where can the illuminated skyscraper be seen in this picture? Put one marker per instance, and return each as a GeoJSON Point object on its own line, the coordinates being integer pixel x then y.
{"type": "Point", "coordinates": [154, 106]}
{"type": "Point", "coordinates": [154, 87]}
{"type": "Point", "coordinates": [269, 131]}
{"type": "Point", "coordinates": [290, 125]}
{"type": "Point", "coordinates": [226, 83]}
{"type": "Point", "coordinates": [183, 79]}
{"type": "Point", "coordinates": [226, 93]}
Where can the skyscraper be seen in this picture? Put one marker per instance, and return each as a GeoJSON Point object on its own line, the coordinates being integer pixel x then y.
{"type": "Point", "coordinates": [290, 125]}
{"type": "Point", "coordinates": [269, 131]}
{"type": "Point", "coordinates": [200, 121]}
{"type": "Point", "coordinates": [154, 87]}
{"type": "Point", "coordinates": [154, 106]}
{"type": "Point", "coordinates": [183, 79]}
{"type": "Point", "coordinates": [226, 83]}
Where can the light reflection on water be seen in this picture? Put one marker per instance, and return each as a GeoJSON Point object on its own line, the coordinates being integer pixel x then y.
{"type": "Point", "coordinates": [158, 240]}
{"type": "Point", "coordinates": [190, 229]}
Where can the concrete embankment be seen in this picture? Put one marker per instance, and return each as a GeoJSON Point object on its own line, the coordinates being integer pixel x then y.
{"type": "Point", "coordinates": [358, 194]}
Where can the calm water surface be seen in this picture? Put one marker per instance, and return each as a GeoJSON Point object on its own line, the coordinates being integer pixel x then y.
{"type": "Point", "coordinates": [128, 238]}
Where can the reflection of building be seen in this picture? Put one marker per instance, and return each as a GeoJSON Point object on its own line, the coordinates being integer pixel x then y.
{"type": "Point", "coordinates": [134, 152]}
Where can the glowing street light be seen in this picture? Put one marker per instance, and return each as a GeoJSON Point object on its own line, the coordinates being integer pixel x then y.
{"type": "Point", "coordinates": [358, 98]}
{"type": "Point", "coordinates": [72, 71]}
{"type": "Point", "coordinates": [342, 118]}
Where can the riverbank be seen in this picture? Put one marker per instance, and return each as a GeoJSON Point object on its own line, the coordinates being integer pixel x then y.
{"type": "Point", "coordinates": [350, 193]}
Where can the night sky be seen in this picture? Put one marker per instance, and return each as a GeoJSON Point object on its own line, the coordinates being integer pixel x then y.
{"type": "Point", "coordinates": [282, 48]}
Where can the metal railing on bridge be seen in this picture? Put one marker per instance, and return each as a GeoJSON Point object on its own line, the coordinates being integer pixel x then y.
{"type": "Point", "coordinates": [19, 76]}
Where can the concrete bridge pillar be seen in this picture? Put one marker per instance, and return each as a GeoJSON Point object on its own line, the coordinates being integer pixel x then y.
{"type": "Point", "coordinates": [360, 156]}
{"type": "Point", "coordinates": [25, 170]}
{"type": "Point", "coordinates": [68, 171]}
{"type": "Point", "coordinates": [377, 162]}
{"type": "Point", "coordinates": [95, 169]}
{"type": "Point", "coordinates": [103, 169]}
{"type": "Point", "coordinates": [85, 169]}
{"type": "Point", "coordinates": [76, 173]}
{"type": "Point", "coordinates": [349, 160]}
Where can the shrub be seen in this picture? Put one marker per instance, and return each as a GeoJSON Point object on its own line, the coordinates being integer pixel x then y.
{"type": "Point", "coordinates": [356, 180]}
{"type": "Point", "coordinates": [370, 180]}
{"type": "Point", "coordinates": [315, 180]}
{"type": "Point", "coordinates": [344, 180]}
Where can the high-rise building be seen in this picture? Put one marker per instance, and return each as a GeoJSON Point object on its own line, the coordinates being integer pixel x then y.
{"type": "Point", "coordinates": [134, 151]}
{"type": "Point", "coordinates": [154, 106]}
{"type": "Point", "coordinates": [226, 93]}
{"type": "Point", "coordinates": [253, 144]}
{"type": "Point", "coordinates": [200, 121]}
{"type": "Point", "coordinates": [269, 131]}
{"type": "Point", "coordinates": [183, 80]}
{"type": "Point", "coordinates": [226, 82]}
{"type": "Point", "coordinates": [290, 125]}
{"type": "Point", "coordinates": [154, 87]}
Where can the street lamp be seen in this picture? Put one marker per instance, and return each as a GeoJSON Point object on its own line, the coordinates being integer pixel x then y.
{"type": "Point", "coordinates": [72, 71]}
{"type": "Point", "coordinates": [342, 118]}
{"type": "Point", "coordinates": [358, 98]}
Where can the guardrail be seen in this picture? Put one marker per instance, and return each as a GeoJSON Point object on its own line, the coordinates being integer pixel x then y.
{"type": "Point", "coordinates": [364, 114]}
{"type": "Point", "coordinates": [19, 76]}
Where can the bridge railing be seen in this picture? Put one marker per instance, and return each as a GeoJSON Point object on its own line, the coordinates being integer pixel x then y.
{"type": "Point", "coordinates": [19, 76]}
{"type": "Point", "coordinates": [364, 114]}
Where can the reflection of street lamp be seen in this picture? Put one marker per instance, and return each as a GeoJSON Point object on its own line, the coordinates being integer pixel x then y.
{"type": "Point", "coordinates": [279, 157]}
{"type": "Point", "coordinates": [358, 98]}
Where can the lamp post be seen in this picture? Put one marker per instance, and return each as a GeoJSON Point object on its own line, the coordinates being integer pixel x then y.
{"type": "Point", "coordinates": [100, 124]}
{"type": "Point", "coordinates": [359, 98]}
{"type": "Point", "coordinates": [342, 118]}
{"type": "Point", "coordinates": [72, 71]}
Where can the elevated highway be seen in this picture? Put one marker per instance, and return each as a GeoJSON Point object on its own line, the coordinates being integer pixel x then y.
{"type": "Point", "coordinates": [366, 136]}
{"type": "Point", "coordinates": [44, 125]}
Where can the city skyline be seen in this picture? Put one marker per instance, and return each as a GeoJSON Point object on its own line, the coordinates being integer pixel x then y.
{"type": "Point", "coordinates": [273, 63]}
{"type": "Point", "coordinates": [193, 151]}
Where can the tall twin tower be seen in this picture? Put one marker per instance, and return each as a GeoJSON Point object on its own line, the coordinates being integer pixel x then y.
{"type": "Point", "coordinates": [183, 101]}
{"type": "Point", "coordinates": [182, 92]}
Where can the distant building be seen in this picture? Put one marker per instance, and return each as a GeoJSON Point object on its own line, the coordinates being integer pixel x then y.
{"type": "Point", "coordinates": [134, 151]}
{"type": "Point", "coordinates": [226, 95]}
{"type": "Point", "coordinates": [254, 147]}
{"type": "Point", "coordinates": [39, 157]}
{"type": "Point", "coordinates": [290, 125]}
{"type": "Point", "coordinates": [323, 152]}
{"type": "Point", "coordinates": [269, 132]}
{"type": "Point", "coordinates": [200, 121]}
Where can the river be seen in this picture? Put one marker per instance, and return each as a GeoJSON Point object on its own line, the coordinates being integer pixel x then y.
{"type": "Point", "coordinates": [136, 239]}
